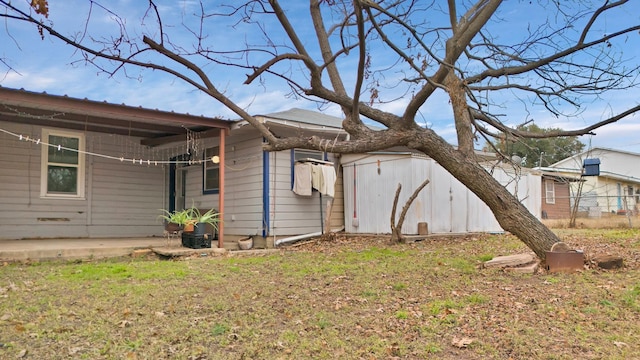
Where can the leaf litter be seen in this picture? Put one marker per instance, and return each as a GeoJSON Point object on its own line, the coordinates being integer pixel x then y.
{"type": "Point", "coordinates": [348, 297]}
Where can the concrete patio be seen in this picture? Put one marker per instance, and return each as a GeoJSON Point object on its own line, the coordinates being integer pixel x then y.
{"type": "Point", "coordinates": [85, 248]}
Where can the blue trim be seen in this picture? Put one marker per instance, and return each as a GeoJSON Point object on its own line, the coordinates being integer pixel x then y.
{"type": "Point", "coordinates": [293, 164]}
{"type": "Point", "coordinates": [172, 185]}
{"type": "Point", "coordinates": [265, 193]}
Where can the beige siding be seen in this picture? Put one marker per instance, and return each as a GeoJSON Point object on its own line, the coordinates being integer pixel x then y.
{"type": "Point", "coordinates": [122, 199]}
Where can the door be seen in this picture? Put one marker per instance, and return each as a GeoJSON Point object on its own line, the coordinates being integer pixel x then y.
{"type": "Point", "coordinates": [181, 189]}
{"type": "Point", "coordinates": [177, 187]}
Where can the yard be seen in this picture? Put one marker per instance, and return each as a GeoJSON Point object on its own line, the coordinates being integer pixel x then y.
{"type": "Point", "coordinates": [348, 298]}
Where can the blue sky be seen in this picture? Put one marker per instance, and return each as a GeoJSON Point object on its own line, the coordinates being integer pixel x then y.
{"type": "Point", "coordinates": [48, 66]}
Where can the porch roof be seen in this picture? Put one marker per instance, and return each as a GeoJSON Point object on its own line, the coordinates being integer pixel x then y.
{"type": "Point", "coordinates": [154, 126]}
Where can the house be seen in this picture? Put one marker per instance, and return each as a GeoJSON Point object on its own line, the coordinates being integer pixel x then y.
{"type": "Point", "coordinates": [615, 190]}
{"type": "Point", "coordinates": [556, 195]}
{"type": "Point", "coordinates": [82, 168]}
{"type": "Point", "coordinates": [445, 204]}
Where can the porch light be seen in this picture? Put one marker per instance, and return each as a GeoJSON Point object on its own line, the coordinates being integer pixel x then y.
{"type": "Point", "coordinates": [215, 159]}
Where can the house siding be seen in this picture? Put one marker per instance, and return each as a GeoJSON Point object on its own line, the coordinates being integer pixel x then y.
{"type": "Point", "coordinates": [121, 198]}
{"type": "Point", "coordinates": [561, 209]}
{"type": "Point", "coordinates": [290, 214]}
{"type": "Point", "coordinates": [243, 184]}
{"type": "Point", "coordinates": [610, 189]}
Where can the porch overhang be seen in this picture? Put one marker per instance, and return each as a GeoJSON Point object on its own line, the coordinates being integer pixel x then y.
{"type": "Point", "coordinates": [155, 127]}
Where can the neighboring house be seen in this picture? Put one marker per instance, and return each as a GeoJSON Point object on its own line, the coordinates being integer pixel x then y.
{"type": "Point", "coordinates": [110, 168]}
{"type": "Point", "coordinates": [445, 204]}
{"type": "Point", "coordinates": [556, 196]}
{"type": "Point", "coordinates": [614, 191]}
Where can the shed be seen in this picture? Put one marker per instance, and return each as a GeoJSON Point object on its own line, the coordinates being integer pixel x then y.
{"type": "Point", "coordinates": [445, 204]}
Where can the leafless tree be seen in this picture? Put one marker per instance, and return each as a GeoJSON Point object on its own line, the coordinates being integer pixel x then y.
{"type": "Point", "coordinates": [404, 51]}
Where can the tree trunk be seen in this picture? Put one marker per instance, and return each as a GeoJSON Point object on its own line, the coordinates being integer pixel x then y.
{"type": "Point", "coordinates": [396, 229]}
{"type": "Point", "coordinates": [510, 213]}
{"type": "Point", "coordinates": [396, 234]}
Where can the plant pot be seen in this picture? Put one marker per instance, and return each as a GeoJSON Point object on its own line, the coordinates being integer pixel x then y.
{"type": "Point", "coordinates": [200, 228]}
{"type": "Point", "coordinates": [172, 227]}
{"type": "Point", "coordinates": [245, 243]}
{"type": "Point", "coordinates": [189, 227]}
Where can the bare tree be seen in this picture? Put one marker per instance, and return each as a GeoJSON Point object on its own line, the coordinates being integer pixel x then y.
{"type": "Point", "coordinates": [405, 52]}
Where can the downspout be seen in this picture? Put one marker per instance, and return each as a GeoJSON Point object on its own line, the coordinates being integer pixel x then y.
{"type": "Point", "coordinates": [223, 134]}
{"type": "Point", "coordinates": [302, 237]}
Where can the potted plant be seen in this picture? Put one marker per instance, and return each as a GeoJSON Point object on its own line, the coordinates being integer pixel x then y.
{"type": "Point", "coordinates": [211, 217]}
{"type": "Point", "coordinates": [183, 219]}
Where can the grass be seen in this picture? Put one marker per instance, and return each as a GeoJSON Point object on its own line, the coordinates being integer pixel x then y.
{"type": "Point", "coordinates": [349, 298]}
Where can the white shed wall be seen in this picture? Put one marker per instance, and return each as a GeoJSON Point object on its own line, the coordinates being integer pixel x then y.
{"type": "Point", "coordinates": [445, 203]}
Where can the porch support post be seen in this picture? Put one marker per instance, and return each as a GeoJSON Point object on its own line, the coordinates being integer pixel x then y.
{"type": "Point", "coordinates": [223, 134]}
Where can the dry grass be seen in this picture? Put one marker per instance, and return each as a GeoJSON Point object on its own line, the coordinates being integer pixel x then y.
{"type": "Point", "coordinates": [605, 222]}
{"type": "Point", "coordinates": [348, 298]}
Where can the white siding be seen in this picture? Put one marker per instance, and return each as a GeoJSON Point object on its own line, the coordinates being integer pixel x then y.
{"type": "Point", "coordinates": [243, 184]}
{"type": "Point", "coordinates": [445, 203]}
{"type": "Point", "coordinates": [617, 173]}
{"type": "Point", "coordinates": [122, 199]}
{"type": "Point", "coordinates": [291, 214]}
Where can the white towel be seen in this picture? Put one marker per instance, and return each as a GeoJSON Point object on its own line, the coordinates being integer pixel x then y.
{"type": "Point", "coordinates": [328, 184]}
{"type": "Point", "coordinates": [316, 176]}
{"type": "Point", "coordinates": [302, 179]}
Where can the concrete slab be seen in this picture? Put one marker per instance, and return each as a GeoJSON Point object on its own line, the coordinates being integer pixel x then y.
{"type": "Point", "coordinates": [182, 251]}
{"type": "Point", "coordinates": [72, 249]}
{"type": "Point", "coordinates": [100, 248]}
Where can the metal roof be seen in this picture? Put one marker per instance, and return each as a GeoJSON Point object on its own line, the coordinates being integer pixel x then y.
{"type": "Point", "coordinates": [154, 126]}
{"type": "Point", "coordinates": [308, 117]}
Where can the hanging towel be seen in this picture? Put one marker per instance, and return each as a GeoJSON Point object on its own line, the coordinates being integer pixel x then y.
{"type": "Point", "coordinates": [302, 179]}
{"type": "Point", "coordinates": [328, 184]}
{"type": "Point", "coordinates": [316, 176]}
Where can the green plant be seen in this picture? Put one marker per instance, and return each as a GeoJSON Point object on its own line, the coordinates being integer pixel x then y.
{"type": "Point", "coordinates": [191, 215]}
{"type": "Point", "coordinates": [180, 217]}
{"type": "Point", "coordinates": [210, 217]}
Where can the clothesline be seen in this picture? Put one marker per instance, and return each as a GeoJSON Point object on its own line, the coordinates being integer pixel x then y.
{"type": "Point", "coordinates": [316, 161]}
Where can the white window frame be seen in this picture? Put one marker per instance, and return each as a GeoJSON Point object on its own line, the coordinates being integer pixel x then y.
{"type": "Point", "coordinates": [550, 191]}
{"type": "Point", "coordinates": [44, 164]}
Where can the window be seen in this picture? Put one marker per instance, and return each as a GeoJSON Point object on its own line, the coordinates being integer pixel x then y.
{"type": "Point", "coordinates": [550, 191]}
{"type": "Point", "coordinates": [211, 171]}
{"type": "Point", "coordinates": [62, 164]}
{"type": "Point", "coordinates": [300, 154]}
